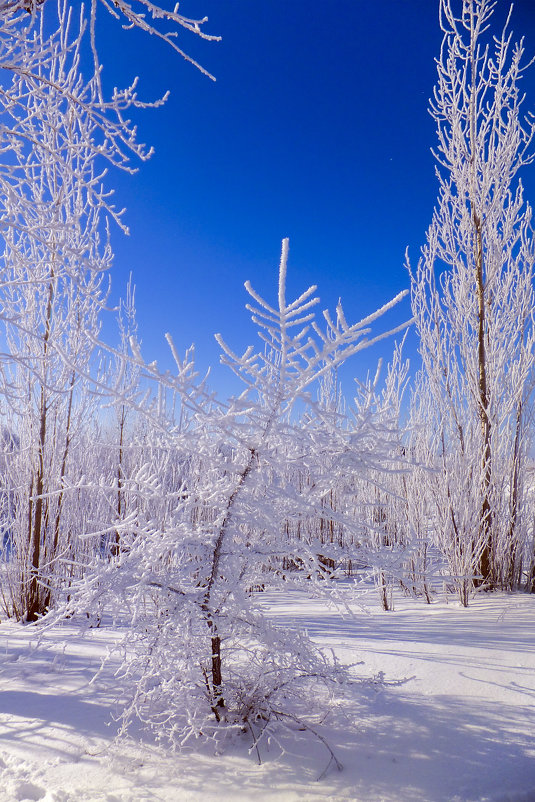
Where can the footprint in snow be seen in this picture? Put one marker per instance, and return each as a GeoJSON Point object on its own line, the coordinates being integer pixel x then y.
{"type": "Point", "coordinates": [28, 792]}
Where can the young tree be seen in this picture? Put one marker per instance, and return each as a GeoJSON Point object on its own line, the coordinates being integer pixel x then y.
{"type": "Point", "coordinates": [202, 655]}
{"type": "Point", "coordinates": [472, 295]}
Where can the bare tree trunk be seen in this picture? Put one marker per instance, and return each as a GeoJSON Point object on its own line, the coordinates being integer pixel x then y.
{"type": "Point", "coordinates": [485, 519]}
{"type": "Point", "coordinates": [36, 525]}
{"type": "Point", "coordinates": [485, 568]}
{"type": "Point", "coordinates": [59, 508]}
{"type": "Point", "coordinates": [116, 545]}
{"type": "Point", "coordinates": [510, 576]}
{"type": "Point", "coordinates": [216, 689]}
{"type": "Point", "coordinates": [34, 605]}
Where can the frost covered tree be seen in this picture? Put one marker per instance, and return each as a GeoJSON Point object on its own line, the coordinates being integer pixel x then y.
{"type": "Point", "coordinates": [213, 530]}
{"type": "Point", "coordinates": [124, 385]}
{"type": "Point", "coordinates": [373, 495]}
{"type": "Point", "coordinates": [58, 135]}
{"type": "Point", "coordinates": [161, 20]}
{"type": "Point", "coordinates": [472, 297]}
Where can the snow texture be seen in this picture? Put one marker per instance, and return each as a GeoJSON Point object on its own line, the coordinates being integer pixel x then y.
{"type": "Point", "coordinates": [453, 721]}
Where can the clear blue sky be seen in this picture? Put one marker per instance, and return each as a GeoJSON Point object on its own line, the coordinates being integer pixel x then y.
{"type": "Point", "coordinates": [316, 129]}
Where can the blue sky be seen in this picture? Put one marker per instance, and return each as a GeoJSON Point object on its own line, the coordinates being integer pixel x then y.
{"type": "Point", "coordinates": [316, 129]}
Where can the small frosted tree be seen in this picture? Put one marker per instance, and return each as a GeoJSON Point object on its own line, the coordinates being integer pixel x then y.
{"type": "Point", "coordinates": [472, 296]}
{"type": "Point", "coordinates": [202, 654]}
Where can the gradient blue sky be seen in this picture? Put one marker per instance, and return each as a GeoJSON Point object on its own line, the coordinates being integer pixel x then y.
{"type": "Point", "coordinates": [316, 129]}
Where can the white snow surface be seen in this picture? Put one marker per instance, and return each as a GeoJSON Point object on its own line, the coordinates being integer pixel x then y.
{"type": "Point", "coordinates": [460, 728]}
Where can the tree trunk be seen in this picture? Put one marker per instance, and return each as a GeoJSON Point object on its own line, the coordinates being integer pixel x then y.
{"type": "Point", "coordinates": [485, 568]}
{"type": "Point", "coordinates": [34, 603]}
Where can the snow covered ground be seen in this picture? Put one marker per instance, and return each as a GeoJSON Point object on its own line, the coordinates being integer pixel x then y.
{"type": "Point", "coordinates": [461, 727]}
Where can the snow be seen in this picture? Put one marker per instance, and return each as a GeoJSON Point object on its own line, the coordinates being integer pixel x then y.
{"type": "Point", "coordinates": [454, 721]}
